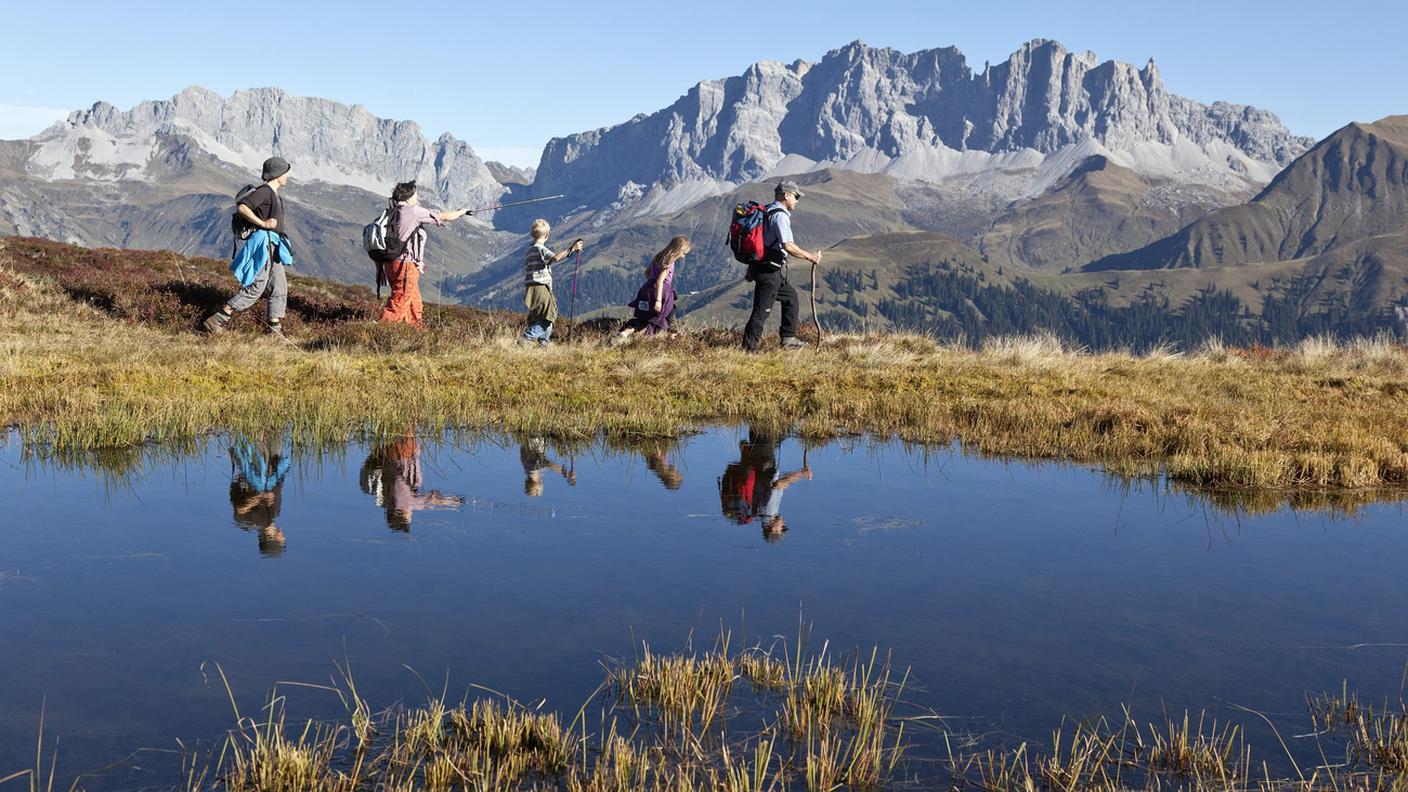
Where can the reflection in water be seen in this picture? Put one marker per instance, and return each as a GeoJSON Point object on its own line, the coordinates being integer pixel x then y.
{"type": "Point", "coordinates": [257, 472]}
{"type": "Point", "coordinates": [752, 487]}
{"type": "Point", "coordinates": [392, 476]}
{"type": "Point", "coordinates": [118, 468]}
{"type": "Point", "coordinates": [1049, 591]}
{"type": "Point", "coordinates": [657, 458]}
{"type": "Point", "coordinates": [533, 453]}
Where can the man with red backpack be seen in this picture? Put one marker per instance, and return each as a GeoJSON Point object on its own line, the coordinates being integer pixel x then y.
{"type": "Point", "coordinates": [769, 275]}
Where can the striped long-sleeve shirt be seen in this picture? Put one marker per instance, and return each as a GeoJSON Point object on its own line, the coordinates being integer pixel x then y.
{"type": "Point", "coordinates": [537, 265]}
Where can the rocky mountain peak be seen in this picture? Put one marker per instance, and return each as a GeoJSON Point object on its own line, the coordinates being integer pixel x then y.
{"type": "Point", "coordinates": [326, 141]}
{"type": "Point", "coordinates": [1351, 186]}
{"type": "Point", "coordinates": [918, 116]}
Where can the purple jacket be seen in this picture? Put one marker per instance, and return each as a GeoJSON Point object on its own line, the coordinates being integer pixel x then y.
{"type": "Point", "coordinates": [644, 302]}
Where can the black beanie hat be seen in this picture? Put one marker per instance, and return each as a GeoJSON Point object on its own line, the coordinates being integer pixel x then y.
{"type": "Point", "coordinates": [274, 167]}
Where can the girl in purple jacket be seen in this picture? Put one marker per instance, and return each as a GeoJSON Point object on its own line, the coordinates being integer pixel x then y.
{"type": "Point", "coordinates": [655, 301]}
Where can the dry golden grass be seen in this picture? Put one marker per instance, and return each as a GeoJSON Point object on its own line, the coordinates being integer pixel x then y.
{"type": "Point", "coordinates": [689, 691]}
{"type": "Point", "coordinates": [1376, 736]}
{"type": "Point", "coordinates": [1319, 417]}
{"type": "Point", "coordinates": [678, 739]}
{"type": "Point", "coordinates": [496, 744]}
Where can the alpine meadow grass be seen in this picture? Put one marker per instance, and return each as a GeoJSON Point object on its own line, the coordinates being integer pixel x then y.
{"type": "Point", "coordinates": [98, 352]}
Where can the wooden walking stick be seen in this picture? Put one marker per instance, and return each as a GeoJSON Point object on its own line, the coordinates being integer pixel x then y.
{"type": "Point", "coordinates": [815, 320]}
{"type": "Point", "coordinates": [572, 313]}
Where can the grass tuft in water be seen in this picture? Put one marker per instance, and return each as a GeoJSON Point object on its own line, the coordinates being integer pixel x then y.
{"type": "Point", "coordinates": [689, 691]}
{"type": "Point", "coordinates": [1377, 737]}
{"type": "Point", "coordinates": [656, 734]}
{"type": "Point", "coordinates": [1201, 751]}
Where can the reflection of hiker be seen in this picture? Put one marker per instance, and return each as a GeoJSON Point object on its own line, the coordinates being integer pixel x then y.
{"type": "Point", "coordinates": [391, 475]}
{"type": "Point", "coordinates": [658, 460]}
{"type": "Point", "coordinates": [403, 274]}
{"type": "Point", "coordinates": [654, 303]}
{"type": "Point", "coordinates": [751, 487]}
{"type": "Point", "coordinates": [769, 276]}
{"type": "Point", "coordinates": [259, 264]}
{"type": "Point", "coordinates": [534, 456]}
{"type": "Point", "coordinates": [256, 487]}
{"type": "Point", "coordinates": [537, 278]}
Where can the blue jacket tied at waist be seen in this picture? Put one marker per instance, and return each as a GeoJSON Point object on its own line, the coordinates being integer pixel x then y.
{"type": "Point", "coordinates": [254, 256]}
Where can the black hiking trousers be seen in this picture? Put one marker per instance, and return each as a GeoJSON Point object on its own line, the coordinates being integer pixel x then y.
{"type": "Point", "coordinates": [768, 288]}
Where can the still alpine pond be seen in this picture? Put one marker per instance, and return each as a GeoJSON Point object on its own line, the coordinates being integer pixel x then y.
{"type": "Point", "coordinates": [1015, 593]}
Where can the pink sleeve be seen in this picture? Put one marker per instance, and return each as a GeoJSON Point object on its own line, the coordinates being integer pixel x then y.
{"type": "Point", "coordinates": [424, 215]}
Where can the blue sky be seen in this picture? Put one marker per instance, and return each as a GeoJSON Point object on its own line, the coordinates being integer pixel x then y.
{"type": "Point", "coordinates": [508, 76]}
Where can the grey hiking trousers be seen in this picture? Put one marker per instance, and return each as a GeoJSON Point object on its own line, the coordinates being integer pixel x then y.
{"type": "Point", "coordinates": [272, 279]}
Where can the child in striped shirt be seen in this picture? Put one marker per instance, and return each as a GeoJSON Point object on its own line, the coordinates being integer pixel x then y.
{"type": "Point", "coordinates": [537, 278]}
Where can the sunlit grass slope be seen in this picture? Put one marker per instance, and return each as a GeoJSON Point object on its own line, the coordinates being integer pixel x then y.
{"type": "Point", "coordinates": [99, 350]}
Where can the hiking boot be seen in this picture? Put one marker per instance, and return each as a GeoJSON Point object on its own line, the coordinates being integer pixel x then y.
{"type": "Point", "coordinates": [215, 323]}
{"type": "Point", "coordinates": [276, 329]}
{"type": "Point", "coordinates": [526, 343]}
{"type": "Point", "coordinates": [793, 343]}
{"type": "Point", "coordinates": [618, 340]}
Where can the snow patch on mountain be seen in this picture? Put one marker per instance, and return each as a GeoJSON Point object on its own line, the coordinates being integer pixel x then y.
{"type": "Point", "coordinates": [1017, 174]}
{"type": "Point", "coordinates": [324, 140]}
{"type": "Point", "coordinates": [79, 152]}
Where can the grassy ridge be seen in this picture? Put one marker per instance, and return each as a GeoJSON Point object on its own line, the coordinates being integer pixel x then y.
{"type": "Point", "coordinates": [99, 351]}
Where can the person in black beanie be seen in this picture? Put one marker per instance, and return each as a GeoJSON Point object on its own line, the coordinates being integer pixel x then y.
{"type": "Point", "coordinates": [263, 209]}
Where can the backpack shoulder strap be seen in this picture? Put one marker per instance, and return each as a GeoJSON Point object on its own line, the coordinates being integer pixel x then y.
{"type": "Point", "coordinates": [393, 216]}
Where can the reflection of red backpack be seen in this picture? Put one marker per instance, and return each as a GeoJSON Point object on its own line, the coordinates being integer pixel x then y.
{"type": "Point", "coordinates": [745, 232]}
{"type": "Point", "coordinates": [736, 490]}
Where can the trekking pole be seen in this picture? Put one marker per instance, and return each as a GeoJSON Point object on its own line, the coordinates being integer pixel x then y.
{"type": "Point", "coordinates": [439, 297]}
{"type": "Point", "coordinates": [572, 311]}
{"type": "Point", "coordinates": [269, 326]}
{"type": "Point", "coordinates": [516, 203]}
{"type": "Point", "coordinates": [815, 320]}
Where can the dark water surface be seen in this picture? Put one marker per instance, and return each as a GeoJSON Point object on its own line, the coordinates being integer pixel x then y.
{"type": "Point", "coordinates": [1015, 593]}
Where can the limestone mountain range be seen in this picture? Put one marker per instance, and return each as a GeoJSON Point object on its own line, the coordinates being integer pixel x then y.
{"type": "Point", "coordinates": [161, 175]}
{"type": "Point", "coordinates": [1015, 127]}
{"type": "Point", "coordinates": [331, 142]}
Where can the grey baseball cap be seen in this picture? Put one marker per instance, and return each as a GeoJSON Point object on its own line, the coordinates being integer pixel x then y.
{"type": "Point", "coordinates": [788, 186]}
{"type": "Point", "coordinates": [274, 167]}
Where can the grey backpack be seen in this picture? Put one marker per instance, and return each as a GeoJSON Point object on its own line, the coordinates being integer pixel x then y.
{"type": "Point", "coordinates": [381, 239]}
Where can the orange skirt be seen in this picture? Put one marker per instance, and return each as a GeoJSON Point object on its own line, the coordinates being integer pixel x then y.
{"type": "Point", "coordinates": [405, 304]}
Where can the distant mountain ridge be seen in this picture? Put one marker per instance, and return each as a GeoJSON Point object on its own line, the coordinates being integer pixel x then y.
{"type": "Point", "coordinates": [327, 141]}
{"type": "Point", "coordinates": [924, 115]}
{"type": "Point", "coordinates": [162, 175]}
{"type": "Point", "coordinates": [1350, 186]}
{"type": "Point", "coordinates": [1097, 208]}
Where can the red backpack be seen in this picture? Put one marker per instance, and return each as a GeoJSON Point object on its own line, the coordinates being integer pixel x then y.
{"type": "Point", "coordinates": [736, 492]}
{"type": "Point", "coordinates": [745, 232]}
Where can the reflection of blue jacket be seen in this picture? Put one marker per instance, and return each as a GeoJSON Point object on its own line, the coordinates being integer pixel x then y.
{"type": "Point", "coordinates": [259, 474]}
{"type": "Point", "coordinates": [254, 256]}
